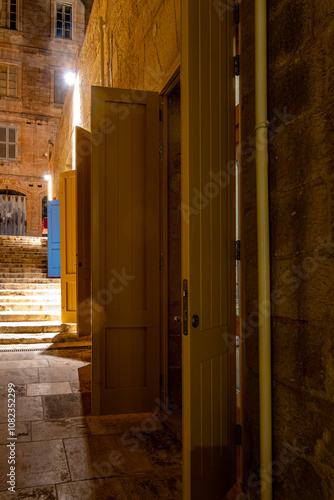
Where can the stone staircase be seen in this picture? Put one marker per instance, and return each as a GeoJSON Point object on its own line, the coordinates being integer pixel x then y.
{"type": "Point", "coordinates": [30, 302]}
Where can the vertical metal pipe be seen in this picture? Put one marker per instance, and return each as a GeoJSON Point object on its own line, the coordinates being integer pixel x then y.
{"type": "Point", "coordinates": [263, 247]}
{"type": "Point", "coordinates": [102, 51]}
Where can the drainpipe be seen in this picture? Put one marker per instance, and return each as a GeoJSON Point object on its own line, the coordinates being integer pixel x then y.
{"type": "Point", "coordinates": [102, 24]}
{"type": "Point", "coordinates": [263, 247]}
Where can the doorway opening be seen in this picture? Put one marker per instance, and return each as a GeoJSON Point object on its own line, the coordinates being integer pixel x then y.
{"type": "Point", "coordinates": [45, 216]}
{"type": "Point", "coordinates": [13, 213]}
{"type": "Point", "coordinates": [171, 250]}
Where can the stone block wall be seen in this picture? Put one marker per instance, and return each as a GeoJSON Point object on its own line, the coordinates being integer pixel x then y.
{"type": "Point", "coordinates": [301, 112]}
{"type": "Point", "coordinates": [141, 41]}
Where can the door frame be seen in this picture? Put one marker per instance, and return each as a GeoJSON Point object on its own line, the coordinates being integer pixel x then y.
{"type": "Point", "coordinates": [168, 86]}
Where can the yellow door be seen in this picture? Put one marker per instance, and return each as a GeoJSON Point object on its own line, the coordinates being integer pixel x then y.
{"type": "Point", "coordinates": [83, 169]}
{"type": "Point", "coordinates": [125, 251]}
{"type": "Point", "coordinates": [208, 251]}
{"type": "Point", "coordinates": [68, 245]}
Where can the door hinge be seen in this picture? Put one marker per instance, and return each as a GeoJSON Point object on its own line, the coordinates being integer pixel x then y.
{"type": "Point", "coordinates": [237, 65]}
{"type": "Point", "coordinates": [237, 250]}
{"type": "Point", "coordinates": [160, 264]}
{"type": "Point", "coordinates": [160, 115]}
{"type": "Point", "coordinates": [239, 435]}
{"type": "Point", "coordinates": [160, 148]}
{"type": "Point", "coordinates": [237, 13]}
{"type": "Point", "coordinates": [161, 380]}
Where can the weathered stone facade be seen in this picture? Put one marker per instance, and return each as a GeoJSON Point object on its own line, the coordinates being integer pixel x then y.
{"type": "Point", "coordinates": [301, 112]}
{"type": "Point", "coordinates": [142, 42]}
{"type": "Point", "coordinates": [36, 54]}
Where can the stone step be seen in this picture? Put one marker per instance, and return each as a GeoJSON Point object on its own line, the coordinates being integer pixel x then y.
{"type": "Point", "coordinates": [7, 339]}
{"type": "Point", "coordinates": [14, 327]}
{"type": "Point", "coordinates": [17, 260]}
{"type": "Point", "coordinates": [42, 292]}
{"type": "Point", "coordinates": [23, 240]}
{"type": "Point", "coordinates": [22, 268]}
{"type": "Point", "coordinates": [23, 251]}
{"type": "Point", "coordinates": [30, 286]}
{"type": "Point", "coordinates": [25, 316]}
{"type": "Point", "coordinates": [47, 307]}
{"type": "Point", "coordinates": [30, 281]}
{"type": "Point", "coordinates": [24, 275]}
{"type": "Point", "coordinates": [54, 296]}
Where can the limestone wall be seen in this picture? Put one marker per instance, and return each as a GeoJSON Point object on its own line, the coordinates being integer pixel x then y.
{"type": "Point", "coordinates": [301, 86]}
{"type": "Point", "coordinates": [142, 42]}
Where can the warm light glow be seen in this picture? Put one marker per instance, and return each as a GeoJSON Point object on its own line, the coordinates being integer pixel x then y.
{"type": "Point", "coordinates": [48, 178]}
{"type": "Point", "coordinates": [76, 121]}
{"type": "Point", "coordinates": [70, 78]}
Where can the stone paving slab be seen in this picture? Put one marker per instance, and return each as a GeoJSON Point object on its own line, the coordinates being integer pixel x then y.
{"type": "Point", "coordinates": [66, 406]}
{"type": "Point", "coordinates": [153, 486]}
{"type": "Point", "coordinates": [22, 376]}
{"type": "Point", "coordinates": [58, 374]}
{"type": "Point", "coordinates": [22, 432]}
{"type": "Point", "coordinates": [37, 464]}
{"type": "Point", "coordinates": [117, 424]}
{"type": "Point", "coordinates": [104, 456]}
{"type": "Point", "coordinates": [20, 390]}
{"type": "Point", "coordinates": [23, 363]}
{"type": "Point", "coordinates": [48, 388]}
{"type": "Point", "coordinates": [27, 408]}
{"type": "Point", "coordinates": [164, 449]}
{"type": "Point", "coordinates": [59, 429]}
{"type": "Point", "coordinates": [37, 493]}
{"type": "Point", "coordinates": [101, 489]}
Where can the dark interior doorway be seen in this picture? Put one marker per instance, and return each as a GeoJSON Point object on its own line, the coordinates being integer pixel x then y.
{"type": "Point", "coordinates": [172, 255]}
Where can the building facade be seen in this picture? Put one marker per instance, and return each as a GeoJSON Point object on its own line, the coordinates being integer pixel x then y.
{"type": "Point", "coordinates": [39, 42]}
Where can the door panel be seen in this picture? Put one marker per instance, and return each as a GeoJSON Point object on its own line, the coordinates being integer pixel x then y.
{"type": "Point", "coordinates": [68, 245]}
{"type": "Point", "coordinates": [53, 239]}
{"type": "Point", "coordinates": [208, 261]}
{"type": "Point", "coordinates": [83, 169]}
{"type": "Point", "coordinates": [125, 251]}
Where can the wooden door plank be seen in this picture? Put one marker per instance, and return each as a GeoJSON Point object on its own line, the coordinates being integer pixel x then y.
{"type": "Point", "coordinates": [83, 169]}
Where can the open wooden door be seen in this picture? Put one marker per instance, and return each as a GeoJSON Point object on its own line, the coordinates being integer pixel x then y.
{"type": "Point", "coordinates": [53, 239]}
{"type": "Point", "coordinates": [125, 251]}
{"type": "Point", "coordinates": [68, 245]}
{"type": "Point", "coordinates": [84, 211]}
{"type": "Point", "coordinates": [208, 250]}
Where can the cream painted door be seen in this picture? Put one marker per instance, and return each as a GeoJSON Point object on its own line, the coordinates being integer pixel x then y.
{"type": "Point", "coordinates": [84, 173]}
{"type": "Point", "coordinates": [68, 245]}
{"type": "Point", "coordinates": [125, 251]}
{"type": "Point", "coordinates": [208, 250]}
